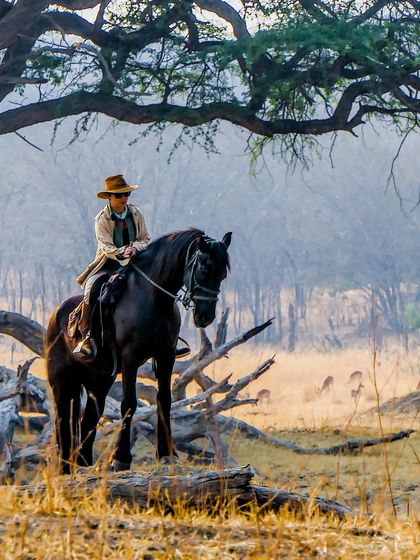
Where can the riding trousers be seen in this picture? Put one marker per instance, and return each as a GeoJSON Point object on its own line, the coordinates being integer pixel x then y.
{"type": "Point", "coordinates": [94, 283]}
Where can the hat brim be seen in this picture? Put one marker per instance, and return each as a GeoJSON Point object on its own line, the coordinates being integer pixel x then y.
{"type": "Point", "coordinates": [128, 188]}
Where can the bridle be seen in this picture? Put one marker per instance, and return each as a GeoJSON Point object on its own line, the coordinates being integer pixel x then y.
{"type": "Point", "coordinates": [188, 297]}
{"type": "Point", "coordinates": [192, 284]}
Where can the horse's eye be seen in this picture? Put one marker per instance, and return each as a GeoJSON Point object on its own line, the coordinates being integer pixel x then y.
{"type": "Point", "coordinates": [205, 267]}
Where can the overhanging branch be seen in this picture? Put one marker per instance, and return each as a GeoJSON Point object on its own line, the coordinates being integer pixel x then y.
{"type": "Point", "coordinates": [127, 111]}
{"type": "Point", "coordinates": [269, 82]}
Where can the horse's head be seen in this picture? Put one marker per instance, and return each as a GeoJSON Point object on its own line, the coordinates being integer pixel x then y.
{"type": "Point", "coordinates": [203, 275]}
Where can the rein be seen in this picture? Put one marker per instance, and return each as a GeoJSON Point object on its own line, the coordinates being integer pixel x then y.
{"type": "Point", "coordinates": [188, 297]}
{"type": "Point", "coordinates": [153, 283]}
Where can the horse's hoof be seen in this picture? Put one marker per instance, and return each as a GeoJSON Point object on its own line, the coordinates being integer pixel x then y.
{"type": "Point", "coordinates": [118, 466]}
{"type": "Point", "coordinates": [146, 460]}
{"type": "Point", "coordinates": [170, 465]}
{"type": "Point", "coordinates": [82, 469]}
{"type": "Point", "coordinates": [168, 460]}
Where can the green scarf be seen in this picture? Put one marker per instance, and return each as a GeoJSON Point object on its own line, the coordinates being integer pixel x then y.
{"type": "Point", "coordinates": [118, 231]}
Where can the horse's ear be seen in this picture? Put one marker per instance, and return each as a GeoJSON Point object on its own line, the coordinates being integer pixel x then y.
{"type": "Point", "coordinates": [227, 238]}
{"type": "Point", "coordinates": [202, 244]}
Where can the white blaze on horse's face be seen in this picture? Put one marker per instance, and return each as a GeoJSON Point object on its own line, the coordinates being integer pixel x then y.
{"type": "Point", "coordinates": [208, 272]}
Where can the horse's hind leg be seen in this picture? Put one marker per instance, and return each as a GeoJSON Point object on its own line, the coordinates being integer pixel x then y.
{"type": "Point", "coordinates": [66, 391]}
{"type": "Point", "coordinates": [94, 409]}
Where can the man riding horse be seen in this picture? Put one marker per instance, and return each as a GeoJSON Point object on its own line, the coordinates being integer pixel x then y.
{"type": "Point", "coordinates": [121, 232]}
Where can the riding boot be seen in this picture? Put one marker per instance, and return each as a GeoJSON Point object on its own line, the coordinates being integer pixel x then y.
{"type": "Point", "coordinates": [87, 346]}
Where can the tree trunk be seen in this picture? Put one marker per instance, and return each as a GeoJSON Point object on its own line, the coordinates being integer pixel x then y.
{"type": "Point", "coordinates": [292, 328]}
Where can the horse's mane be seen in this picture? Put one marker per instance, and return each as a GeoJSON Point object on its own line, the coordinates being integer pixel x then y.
{"type": "Point", "coordinates": [170, 248]}
{"type": "Point", "coordinates": [166, 250]}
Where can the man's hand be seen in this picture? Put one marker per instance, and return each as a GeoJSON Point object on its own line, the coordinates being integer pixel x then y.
{"type": "Point", "coordinates": [129, 252]}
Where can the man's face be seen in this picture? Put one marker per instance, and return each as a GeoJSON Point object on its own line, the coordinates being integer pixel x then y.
{"type": "Point", "coordinates": [119, 201]}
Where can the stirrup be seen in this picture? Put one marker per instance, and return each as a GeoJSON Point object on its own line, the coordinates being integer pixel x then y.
{"type": "Point", "coordinates": [182, 352]}
{"type": "Point", "coordinates": [86, 347]}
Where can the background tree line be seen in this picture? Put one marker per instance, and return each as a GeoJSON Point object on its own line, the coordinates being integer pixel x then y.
{"type": "Point", "coordinates": [302, 241]}
{"type": "Point", "coordinates": [287, 74]}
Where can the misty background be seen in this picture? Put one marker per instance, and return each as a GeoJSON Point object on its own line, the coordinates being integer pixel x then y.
{"type": "Point", "coordinates": [328, 248]}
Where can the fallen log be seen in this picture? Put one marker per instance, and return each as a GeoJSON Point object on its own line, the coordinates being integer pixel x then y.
{"type": "Point", "coordinates": [407, 404]}
{"type": "Point", "coordinates": [32, 390]}
{"type": "Point", "coordinates": [21, 391]}
{"type": "Point", "coordinates": [35, 422]}
{"type": "Point", "coordinates": [353, 446]}
{"type": "Point", "coordinates": [9, 419]}
{"type": "Point", "coordinates": [10, 402]}
{"type": "Point", "coordinates": [195, 488]}
{"type": "Point", "coordinates": [30, 454]}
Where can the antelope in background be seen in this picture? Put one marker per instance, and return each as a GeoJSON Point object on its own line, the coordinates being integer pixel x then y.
{"type": "Point", "coordinates": [355, 376]}
{"type": "Point", "coordinates": [327, 385]}
{"type": "Point", "coordinates": [355, 393]}
{"type": "Point", "coordinates": [264, 396]}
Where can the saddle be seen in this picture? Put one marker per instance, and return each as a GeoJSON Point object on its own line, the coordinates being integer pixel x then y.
{"type": "Point", "coordinates": [108, 297]}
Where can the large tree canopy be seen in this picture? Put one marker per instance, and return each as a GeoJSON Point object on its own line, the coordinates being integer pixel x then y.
{"type": "Point", "coordinates": [288, 68]}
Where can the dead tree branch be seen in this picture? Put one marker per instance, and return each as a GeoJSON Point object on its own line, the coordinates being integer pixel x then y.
{"type": "Point", "coordinates": [28, 332]}
{"type": "Point", "coordinates": [179, 388]}
{"type": "Point", "coordinates": [350, 447]}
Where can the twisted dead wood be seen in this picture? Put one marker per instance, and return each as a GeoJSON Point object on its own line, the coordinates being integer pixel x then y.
{"type": "Point", "coordinates": [21, 392]}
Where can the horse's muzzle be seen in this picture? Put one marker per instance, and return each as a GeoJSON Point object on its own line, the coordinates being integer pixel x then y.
{"type": "Point", "coordinates": [202, 322]}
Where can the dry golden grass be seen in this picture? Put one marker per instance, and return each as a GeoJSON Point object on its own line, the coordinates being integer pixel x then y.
{"type": "Point", "coordinates": [53, 526]}
{"type": "Point", "coordinates": [294, 379]}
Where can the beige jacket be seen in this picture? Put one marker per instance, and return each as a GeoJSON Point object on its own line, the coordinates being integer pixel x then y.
{"type": "Point", "coordinates": [104, 230]}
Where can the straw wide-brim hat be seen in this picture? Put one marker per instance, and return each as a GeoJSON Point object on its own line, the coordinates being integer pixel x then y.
{"type": "Point", "coordinates": [116, 184]}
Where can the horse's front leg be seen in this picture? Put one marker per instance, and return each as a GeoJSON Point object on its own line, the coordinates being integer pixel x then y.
{"type": "Point", "coordinates": [122, 457]}
{"type": "Point", "coordinates": [164, 367]}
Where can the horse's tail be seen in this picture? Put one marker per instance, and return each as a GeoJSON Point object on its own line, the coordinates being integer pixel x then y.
{"type": "Point", "coordinates": [53, 333]}
{"type": "Point", "coordinates": [57, 325]}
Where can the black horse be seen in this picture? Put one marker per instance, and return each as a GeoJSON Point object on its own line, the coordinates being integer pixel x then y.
{"type": "Point", "coordinates": [146, 325]}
